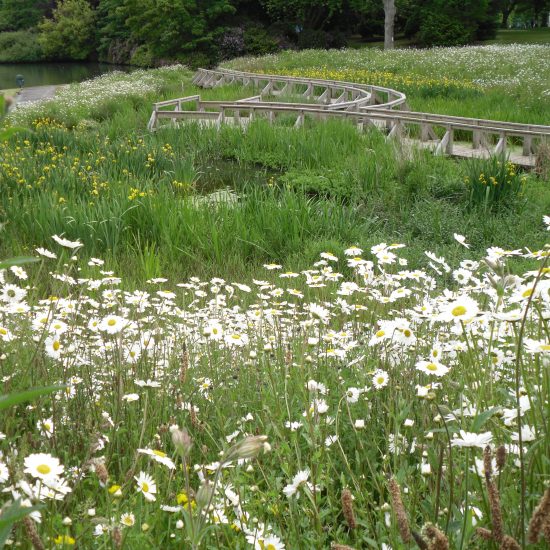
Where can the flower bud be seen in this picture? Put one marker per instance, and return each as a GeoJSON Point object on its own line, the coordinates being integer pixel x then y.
{"type": "Point", "coordinates": [249, 447]}
{"type": "Point", "coordinates": [204, 494]}
{"type": "Point", "coordinates": [182, 441]}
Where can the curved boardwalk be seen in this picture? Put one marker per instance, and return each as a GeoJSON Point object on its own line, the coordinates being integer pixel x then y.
{"type": "Point", "coordinates": [363, 105]}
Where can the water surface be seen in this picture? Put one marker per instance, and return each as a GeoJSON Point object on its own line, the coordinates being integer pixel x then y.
{"type": "Point", "coordinates": [43, 74]}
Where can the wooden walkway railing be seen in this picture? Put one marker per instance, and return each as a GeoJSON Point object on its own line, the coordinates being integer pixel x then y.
{"type": "Point", "coordinates": [360, 104]}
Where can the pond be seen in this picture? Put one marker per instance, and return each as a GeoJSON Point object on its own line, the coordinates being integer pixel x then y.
{"type": "Point", "coordinates": [43, 74]}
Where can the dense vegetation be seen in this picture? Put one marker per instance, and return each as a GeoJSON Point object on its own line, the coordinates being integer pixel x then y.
{"type": "Point", "coordinates": [273, 337]}
{"type": "Point", "coordinates": [150, 32]}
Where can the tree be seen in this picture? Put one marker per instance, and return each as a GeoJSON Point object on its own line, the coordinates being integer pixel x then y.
{"type": "Point", "coordinates": [170, 29]}
{"type": "Point", "coordinates": [18, 15]}
{"type": "Point", "coordinates": [389, 22]}
{"type": "Point", "coordinates": [310, 14]}
{"type": "Point", "coordinates": [70, 34]}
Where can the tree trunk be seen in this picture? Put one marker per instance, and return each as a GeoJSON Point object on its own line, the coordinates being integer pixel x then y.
{"type": "Point", "coordinates": [389, 21]}
{"type": "Point", "coordinates": [506, 12]}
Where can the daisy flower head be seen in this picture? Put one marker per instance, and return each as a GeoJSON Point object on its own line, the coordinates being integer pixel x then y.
{"type": "Point", "coordinates": [432, 367]}
{"type": "Point", "coordinates": [469, 439]}
{"type": "Point", "coordinates": [462, 309]}
{"type": "Point", "coordinates": [461, 239]}
{"type": "Point", "coordinates": [146, 485]}
{"type": "Point", "coordinates": [46, 253]}
{"type": "Point", "coordinates": [380, 379]}
{"type": "Point", "coordinates": [43, 466]}
{"type": "Point", "coordinates": [112, 324]}
{"type": "Point", "coordinates": [66, 243]}
{"type": "Point", "coordinates": [128, 519]}
{"type": "Point", "coordinates": [159, 456]}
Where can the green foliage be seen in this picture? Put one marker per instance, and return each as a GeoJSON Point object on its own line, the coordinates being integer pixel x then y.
{"type": "Point", "coordinates": [450, 22]}
{"type": "Point", "coordinates": [493, 183]}
{"type": "Point", "coordinates": [257, 41]}
{"type": "Point", "coordinates": [19, 46]}
{"type": "Point", "coordinates": [170, 29]}
{"type": "Point", "coordinates": [70, 34]}
{"type": "Point", "coordinates": [18, 15]}
{"type": "Point", "coordinates": [325, 183]}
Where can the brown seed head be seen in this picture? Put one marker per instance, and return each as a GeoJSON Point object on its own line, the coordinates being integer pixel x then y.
{"type": "Point", "coordinates": [32, 533]}
{"type": "Point", "coordinates": [509, 543]}
{"type": "Point", "coordinates": [485, 534]}
{"type": "Point", "coordinates": [541, 515]}
{"type": "Point", "coordinates": [438, 540]}
{"type": "Point", "coordinates": [501, 457]}
{"type": "Point", "coordinates": [399, 510]}
{"type": "Point", "coordinates": [117, 537]}
{"type": "Point", "coordinates": [102, 473]}
{"type": "Point", "coordinates": [347, 508]}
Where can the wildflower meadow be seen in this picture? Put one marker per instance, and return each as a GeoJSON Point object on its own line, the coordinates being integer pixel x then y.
{"type": "Point", "coordinates": [278, 337]}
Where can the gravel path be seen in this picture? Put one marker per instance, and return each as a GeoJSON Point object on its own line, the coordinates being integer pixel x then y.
{"type": "Point", "coordinates": [35, 93]}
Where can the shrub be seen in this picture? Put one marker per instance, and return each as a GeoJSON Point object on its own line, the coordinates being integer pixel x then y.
{"type": "Point", "coordinates": [493, 182]}
{"type": "Point", "coordinates": [142, 57]}
{"type": "Point", "coordinates": [232, 43]}
{"type": "Point", "coordinates": [70, 34]}
{"type": "Point", "coordinates": [324, 183]}
{"type": "Point", "coordinates": [258, 41]}
{"type": "Point", "coordinates": [19, 46]}
{"type": "Point", "coordinates": [439, 30]}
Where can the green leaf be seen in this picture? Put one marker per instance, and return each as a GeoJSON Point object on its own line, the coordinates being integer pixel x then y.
{"type": "Point", "coordinates": [481, 418]}
{"type": "Point", "coordinates": [9, 515]}
{"type": "Point", "coordinates": [20, 260]}
{"type": "Point", "coordinates": [29, 395]}
{"type": "Point", "coordinates": [9, 132]}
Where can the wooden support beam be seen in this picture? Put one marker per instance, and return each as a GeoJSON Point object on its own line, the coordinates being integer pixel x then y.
{"type": "Point", "coordinates": [427, 132]}
{"type": "Point", "coordinates": [396, 130]}
{"type": "Point", "coordinates": [500, 147]}
{"type": "Point", "coordinates": [300, 120]}
{"type": "Point", "coordinates": [445, 146]}
{"type": "Point", "coordinates": [309, 91]}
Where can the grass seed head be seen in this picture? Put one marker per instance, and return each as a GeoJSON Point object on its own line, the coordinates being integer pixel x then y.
{"type": "Point", "coordinates": [501, 457]}
{"type": "Point", "coordinates": [32, 533]}
{"type": "Point", "coordinates": [540, 517]}
{"type": "Point", "coordinates": [347, 508]}
{"type": "Point", "coordinates": [399, 510]}
{"type": "Point", "coordinates": [509, 543]}
{"type": "Point", "coordinates": [438, 540]}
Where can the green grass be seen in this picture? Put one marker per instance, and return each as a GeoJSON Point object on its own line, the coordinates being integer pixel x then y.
{"type": "Point", "coordinates": [522, 36]}
{"type": "Point", "coordinates": [189, 326]}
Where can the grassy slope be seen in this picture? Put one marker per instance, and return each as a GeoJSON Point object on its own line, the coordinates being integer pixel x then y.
{"type": "Point", "coordinates": [102, 178]}
{"type": "Point", "coordinates": [497, 82]}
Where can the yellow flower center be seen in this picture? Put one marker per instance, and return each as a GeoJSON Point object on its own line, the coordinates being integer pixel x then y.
{"type": "Point", "coordinates": [56, 345]}
{"type": "Point", "coordinates": [458, 311]}
{"type": "Point", "coordinates": [159, 453]}
{"type": "Point", "coordinates": [380, 333]}
{"type": "Point", "coordinates": [44, 469]}
{"type": "Point", "coordinates": [527, 293]}
{"type": "Point", "coordinates": [545, 347]}
{"type": "Point", "coordinates": [380, 380]}
{"type": "Point", "coordinates": [145, 487]}
{"type": "Point", "coordinates": [111, 322]}
{"type": "Point", "coordinates": [407, 333]}
{"type": "Point", "coordinates": [3, 331]}
{"type": "Point", "coordinates": [431, 366]}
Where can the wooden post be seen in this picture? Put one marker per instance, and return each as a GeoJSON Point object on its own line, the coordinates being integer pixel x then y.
{"type": "Point", "coordinates": [527, 145]}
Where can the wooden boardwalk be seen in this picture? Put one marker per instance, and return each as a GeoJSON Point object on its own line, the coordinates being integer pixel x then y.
{"type": "Point", "coordinates": [362, 105]}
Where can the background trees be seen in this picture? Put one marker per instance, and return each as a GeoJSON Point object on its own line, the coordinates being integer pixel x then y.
{"type": "Point", "coordinates": [149, 32]}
